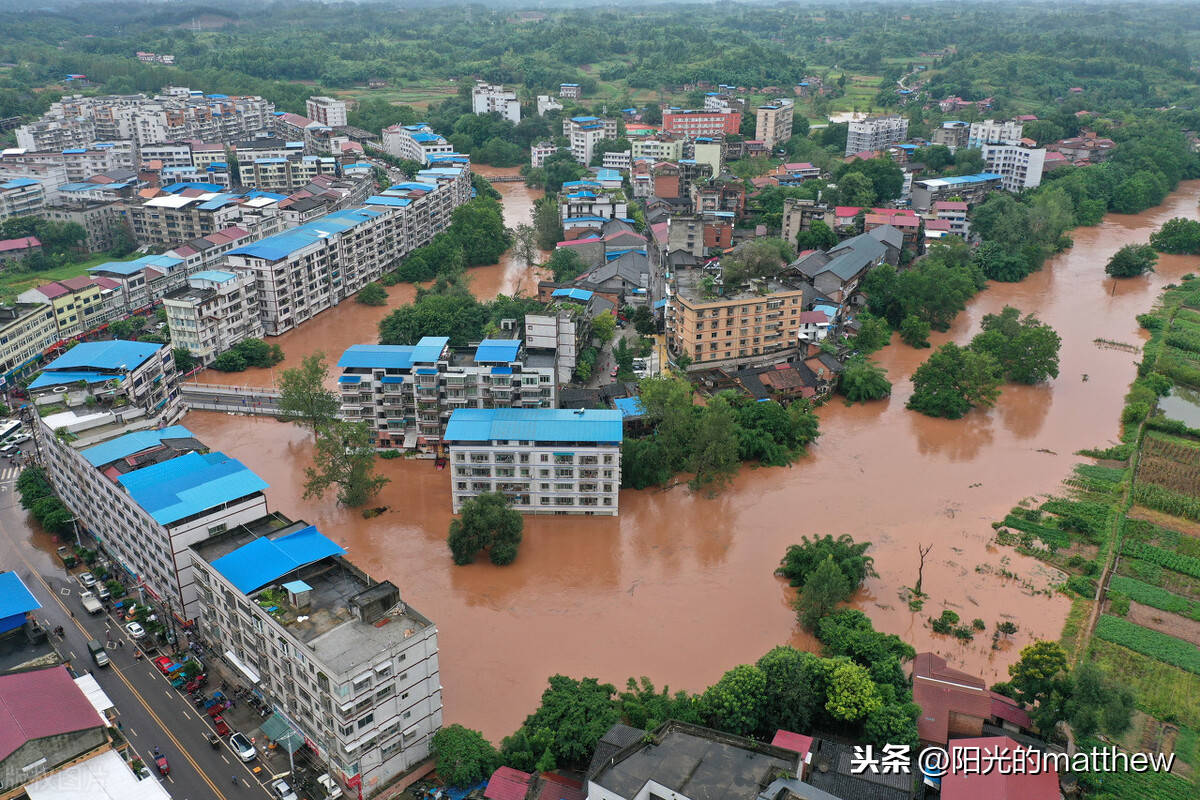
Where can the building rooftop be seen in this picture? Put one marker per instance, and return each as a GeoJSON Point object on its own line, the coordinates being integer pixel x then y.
{"type": "Point", "coordinates": [497, 351]}
{"type": "Point", "coordinates": [105, 776]}
{"type": "Point", "coordinates": [394, 356]}
{"type": "Point", "coordinates": [336, 623]}
{"type": "Point", "coordinates": [15, 601]}
{"type": "Point", "coordinates": [126, 268]}
{"type": "Point", "coordinates": [960, 180]}
{"type": "Point", "coordinates": [41, 703]}
{"type": "Point", "coordinates": [1017, 782]}
{"type": "Point", "coordinates": [190, 484]}
{"type": "Point", "coordinates": [95, 357]}
{"type": "Point", "coordinates": [534, 424]}
{"type": "Point", "coordinates": [943, 692]}
{"type": "Point", "coordinates": [281, 245]}
{"type": "Point", "coordinates": [699, 763]}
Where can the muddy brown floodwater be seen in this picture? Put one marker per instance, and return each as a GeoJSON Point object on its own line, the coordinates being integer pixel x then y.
{"type": "Point", "coordinates": [679, 587]}
{"type": "Point", "coordinates": [335, 329]}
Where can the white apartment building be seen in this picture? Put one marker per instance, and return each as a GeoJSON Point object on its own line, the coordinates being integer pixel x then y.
{"type": "Point", "coordinates": [774, 122]}
{"type": "Point", "coordinates": [406, 393]}
{"type": "Point", "coordinates": [658, 148]}
{"type": "Point", "coordinates": [213, 312]}
{"type": "Point", "coordinates": [875, 133]}
{"type": "Point", "coordinates": [21, 197]}
{"type": "Point", "coordinates": [287, 174]}
{"type": "Point", "coordinates": [26, 329]}
{"type": "Point", "coordinates": [539, 152]}
{"type": "Point", "coordinates": [556, 337]}
{"type": "Point", "coordinates": [486, 98]}
{"type": "Point", "coordinates": [326, 110]}
{"type": "Point", "coordinates": [724, 102]}
{"type": "Point", "coordinates": [584, 132]}
{"type": "Point", "coordinates": [305, 270]}
{"type": "Point", "coordinates": [78, 163]}
{"type": "Point", "coordinates": [172, 219]}
{"type": "Point", "coordinates": [622, 160]}
{"type": "Point", "coordinates": [350, 668]}
{"type": "Point", "coordinates": [545, 461]}
{"type": "Point", "coordinates": [992, 132]}
{"type": "Point", "coordinates": [1020, 166]}
{"type": "Point", "coordinates": [587, 198]}
{"type": "Point", "coordinates": [415, 142]}
{"type": "Point", "coordinates": [955, 213]}
{"type": "Point", "coordinates": [169, 154]}
{"type": "Point", "coordinates": [547, 103]}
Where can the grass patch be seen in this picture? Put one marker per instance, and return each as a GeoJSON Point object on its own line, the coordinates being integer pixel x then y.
{"type": "Point", "coordinates": [1052, 537]}
{"type": "Point", "coordinates": [1077, 617]}
{"type": "Point", "coordinates": [1160, 646]}
{"type": "Point", "coordinates": [1164, 691]}
{"type": "Point", "coordinates": [1118, 785]}
{"type": "Point", "coordinates": [13, 283]}
{"type": "Point", "coordinates": [1155, 596]}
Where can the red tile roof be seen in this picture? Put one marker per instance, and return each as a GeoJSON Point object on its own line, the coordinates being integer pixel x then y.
{"type": "Point", "coordinates": [507, 784]}
{"type": "Point", "coordinates": [41, 703]}
{"type": "Point", "coordinates": [996, 785]}
{"type": "Point", "coordinates": [819, 317]}
{"type": "Point", "coordinates": [106, 283]}
{"type": "Point", "coordinates": [949, 205]}
{"type": "Point", "coordinates": [937, 225]}
{"type": "Point", "coordinates": [22, 243]}
{"type": "Point", "coordinates": [556, 787]}
{"type": "Point", "coordinates": [846, 211]}
{"type": "Point", "coordinates": [798, 165]}
{"type": "Point", "coordinates": [796, 742]}
{"type": "Point", "coordinates": [77, 283]}
{"type": "Point", "coordinates": [183, 251]}
{"type": "Point", "coordinates": [584, 240]}
{"type": "Point", "coordinates": [941, 690]}
{"type": "Point", "coordinates": [1006, 708]}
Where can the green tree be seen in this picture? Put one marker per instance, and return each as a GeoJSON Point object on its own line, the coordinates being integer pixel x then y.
{"type": "Point", "coordinates": [914, 331]}
{"type": "Point", "coordinates": [819, 236]}
{"type": "Point", "coordinates": [856, 189]}
{"type": "Point", "coordinates": [953, 381]}
{"type": "Point", "coordinates": [852, 694]}
{"type": "Point", "coordinates": [824, 588]}
{"type": "Point", "coordinates": [795, 691]}
{"type": "Point", "coordinates": [1025, 349]}
{"type": "Point", "coordinates": [714, 453]}
{"type": "Point", "coordinates": [873, 334]}
{"type": "Point", "coordinates": [1036, 672]}
{"type": "Point", "coordinates": [566, 265]}
{"type": "Point", "coordinates": [968, 161]}
{"type": "Point", "coordinates": [229, 361]}
{"type": "Point", "coordinates": [572, 717]}
{"type": "Point", "coordinates": [863, 380]}
{"type": "Point", "coordinates": [344, 457]}
{"type": "Point", "coordinates": [758, 258]}
{"type": "Point", "coordinates": [641, 706]}
{"type": "Point", "coordinates": [184, 361]}
{"type": "Point", "coordinates": [735, 704]}
{"type": "Point", "coordinates": [463, 756]}
{"type": "Point", "coordinates": [525, 243]}
{"type": "Point", "coordinates": [479, 228]}
{"type": "Point", "coordinates": [547, 223]}
{"type": "Point", "coordinates": [446, 310]}
{"type": "Point", "coordinates": [892, 724]}
{"type": "Point", "coordinates": [303, 398]}
{"type": "Point", "coordinates": [800, 561]}
{"type": "Point", "coordinates": [486, 523]}
{"type": "Point", "coordinates": [604, 327]}
{"type": "Point", "coordinates": [935, 157]}
{"type": "Point", "coordinates": [1179, 235]}
{"type": "Point", "coordinates": [1132, 260]}
{"type": "Point", "coordinates": [372, 295]}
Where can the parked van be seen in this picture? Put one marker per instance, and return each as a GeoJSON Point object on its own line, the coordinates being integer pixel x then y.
{"type": "Point", "coordinates": [98, 653]}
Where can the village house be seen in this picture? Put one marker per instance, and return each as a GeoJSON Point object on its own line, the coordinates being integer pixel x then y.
{"type": "Point", "coordinates": [836, 273]}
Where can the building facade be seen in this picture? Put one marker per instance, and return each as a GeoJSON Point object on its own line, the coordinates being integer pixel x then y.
{"type": "Point", "coordinates": [584, 133]}
{"type": "Point", "coordinates": [414, 142]}
{"type": "Point", "coordinates": [742, 325]}
{"type": "Point", "coordinates": [213, 312]}
{"type": "Point", "coordinates": [21, 197]}
{"type": "Point", "coordinates": [326, 110]}
{"type": "Point", "coordinates": [701, 123]}
{"type": "Point", "coordinates": [406, 393]}
{"type": "Point", "coordinates": [487, 98]}
{"type": "Point", "coordinates": [970, 189]}
{"type": "Point", "coordinates": [545, 461]}
{"type": "Point", "coordinates": [26, 329]}
{"type": "Point", "coordinates": [992, 132]}
{"type": "Point", "coordinates": [773, 122]}
{"type": "Point", "coordinates": [1020, 166]}
{"type": "Point", "coordinates": [875, 133]}
{"type": "Point", "coordinates": [345, 662]}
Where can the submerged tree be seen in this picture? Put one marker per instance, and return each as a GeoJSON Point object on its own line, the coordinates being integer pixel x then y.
{"type": "Point", "coordinates": [303, 398]}
{"type": "Point", "coordinates": [344, 457]}
{"type": "Point", "coordinates": [486, 523]}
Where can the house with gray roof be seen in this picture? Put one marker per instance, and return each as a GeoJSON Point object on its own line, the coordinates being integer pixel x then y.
{"type": "Point", "coordinates": [836, 273]}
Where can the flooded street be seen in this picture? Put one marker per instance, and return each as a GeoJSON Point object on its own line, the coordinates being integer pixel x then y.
{"type": "Point", "coordinates": [679, 587]}
{"type": "Point", "coordinates": [350, 322]}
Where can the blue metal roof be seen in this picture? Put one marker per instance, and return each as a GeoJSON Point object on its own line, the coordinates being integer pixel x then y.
{"type": "Point", "coordinates": [497, 351]}
{"type": "Point", "coordinates": [82, 186]}
{"type": "Point", "coordinates": [130, 443]}
{"type": "Point", "coordinates": [958, 180]}
{"type": "Point", "coordinates": [15, 597]}
{"type": "Point", "coordinates": [189, 484]}
{"type": "Point", "coordinates": [281, 245]}
{"type": "Point", "coordinates": [176, 188]}
{"type": "Point", "coordinates": [218, 202]}
{"type": "Point", "coordinates": [68, 376]}
{"type": "Point", "coordinates": [533, 424]}
{"type": "Point", "coordinates": [502, 371]}
{"type": "Point", "coordinates": [426, 137]}
{"type": "Point", "coordinates": [137, 265]}
{"type": "Point", "coordinates": [585, 219]}
{"type": "Point", "coordinates": [350, 379]}
{"type": "Point", "coordinates": [214, 275]}
{"type": "Point", "coordinates": [608, 174]}
{"type": "Point", "coordinates": [112, 355]}
{"type": "Point", "coordinates": [17, 183]}
{"type": "Point", "coordinates": [660, 303]}
{"type": "Point", "coordinates": [629, 406]}
{"type": "Point", "coordinates": [393, 202]}
{"type": "Point", "coordinates": [256, 564]}
{"type": "Point", "coordinates": [585, 119]}
{"type": "Point", "coordinates": [411, 186]}
{"type": "Point", "coordinates": [394, 356]}
{"type": "Point", "coordinates": [72, 151]}
{"type": "Point", "coordinates": [582, 295]}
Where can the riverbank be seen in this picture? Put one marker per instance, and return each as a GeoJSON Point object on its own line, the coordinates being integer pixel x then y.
{"type": "Point", "coordinates": [685, 583]}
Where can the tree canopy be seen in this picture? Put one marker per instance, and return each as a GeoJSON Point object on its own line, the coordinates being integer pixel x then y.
{"type": "Point", "coordinates": [486, 523]}
{"type": "Point", "coordinates": [953, 381]}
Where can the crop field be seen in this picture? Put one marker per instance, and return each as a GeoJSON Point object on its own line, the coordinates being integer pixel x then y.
{"type": "Point", "coordinates": [1166, 649]}
{"type": "Point", "coordinates": [1168, 473]}
{"type": "Point", "coordinates": [1168, 501]}
{"type": "Point", "coordinates": [1185, 451]}
{"type": "Point", "coordinates": [1188, 565]}
{"type": "Point", "coordinates": [1155, 596]}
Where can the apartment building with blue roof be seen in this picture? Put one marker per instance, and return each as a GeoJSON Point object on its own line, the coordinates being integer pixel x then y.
{"type": "Point", "coordinates": [131, 378]}
{"type": "Point", "coordinates": [415, 142]}
{"type": "Point", "coordinates": [147, 495]}
{"type": "Point", "coordinates": [544, 460]}
{"type": "Point", "coordinates": [406, 393]}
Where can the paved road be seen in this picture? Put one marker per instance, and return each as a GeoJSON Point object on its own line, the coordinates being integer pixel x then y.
{"type": "Point", "coordinates": [151, 712]}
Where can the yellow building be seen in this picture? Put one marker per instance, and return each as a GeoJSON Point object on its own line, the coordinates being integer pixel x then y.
{"type": "Point", "coordinates": [26, 329]}
{"type": "Point", "coordinates": [79, 303]}
{"type": "Point", "coordinates": [761, 320]}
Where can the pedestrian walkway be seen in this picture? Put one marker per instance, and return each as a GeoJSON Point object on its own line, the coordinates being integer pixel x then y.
{"type": "Point", "coordinates": [9, 472]}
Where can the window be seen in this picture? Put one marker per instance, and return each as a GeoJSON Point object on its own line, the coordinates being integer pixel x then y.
{"type": "Point", "coordinates": [384, 692]}
{"type": "Point", "coordinates": [362, 683]}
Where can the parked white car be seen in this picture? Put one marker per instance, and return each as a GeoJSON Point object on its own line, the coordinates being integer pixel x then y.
{"type": "Point", "coordinates": [242, 746]}
{"type": "Point", "coordinates": [136, 630]}
{"type": "Point", "coordinates": [281, 790]}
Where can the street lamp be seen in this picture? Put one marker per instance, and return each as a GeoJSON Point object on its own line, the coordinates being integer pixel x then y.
{"type": "Point", "coordinates": [75, 526]}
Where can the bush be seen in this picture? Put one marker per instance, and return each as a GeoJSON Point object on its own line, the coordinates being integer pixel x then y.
{"type": "Point", "coordinates": [1084, 587]}
{"type": "Point", "coordinates": [1118, 603]}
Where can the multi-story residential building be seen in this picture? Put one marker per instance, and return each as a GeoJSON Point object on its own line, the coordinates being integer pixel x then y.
{"type": "Point", "coordinates": [722, 194]}
{"type": "Point", "coordinates": [556, 337]}
{"type": "Point", "coordinates": [724, 101]}
{"type": "Point", "coordinates": [955, 213]}
{"type": "Point", "coordinates": [287, 174]}
{"type": "Point", "coordinates": [315, 266]}
{"type": "Point", "coordinates": [414, 142]}
{"type": "Point", "coordinates": [659, 148]}
{"type": "Point", "coordinates": [774, 122]}
{"type": "Point", "coordinates": [953, 134]}
{"type": "Point", "coordinates": [701, 123]}
{"type": "Point", "coordinates": [970, 189]}
{"type": "Point", "coordinates": [26, 329]}
{"type": "Point", "coordinates": [213, 312]}
{"type": "Point", "coordinates": [588, 199]}
{"type": "Point", "coordinates": [147, 495]}
{"type": "Point", "coordinates": [837, 272]}
{"type": "Point", "coordinates": [186, 214]}
{"type": "Point", "coordinates": [487, 98]}
{"type": "Point", "coordinates": [545, 461]}
{"type": "Point", "coordinates": [875, 133]}
{"type": "Point", "coordinates": [99, 220]}
{"type": "Point", "coordinates": [21, 197]}
{"type": "Point", "coordinates": [539, 152]}
{"type": "Point", "coordinates": [167, 154]}
{"type": "Point", "coordinates": [618, 161]}
{"type": "Point", "coordinates": [79, 303]}
{"type": "Point", "coordinates": [78, 163]}
{"type": "Point", "coordinates": [741, 323]}
{"type": "Point", "coordinates": [675, 180]}
{"type": "Point", "coordinates": [175, 114]}
{"type": "Point", "coordinates": [706, 150]}
{"type": "Point", "coordinates": [992, 132]}
{"type": "Point", "coordinates": [546, 103]}
{"type": "Point", "coordinates": [799, 215]}
{"type": "Point", "coordinates": [407, 392]}
{"type": "Point", "coordinates": [571, 91]}
{"type": "Point", "coordinates": [1020, 165]}
{"type": "Point", "coordinates": [326, 110]}
{"type": "Point", "coordinates": [349, 667]}
{"type": "Point", "coordinates": [584, 132]}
